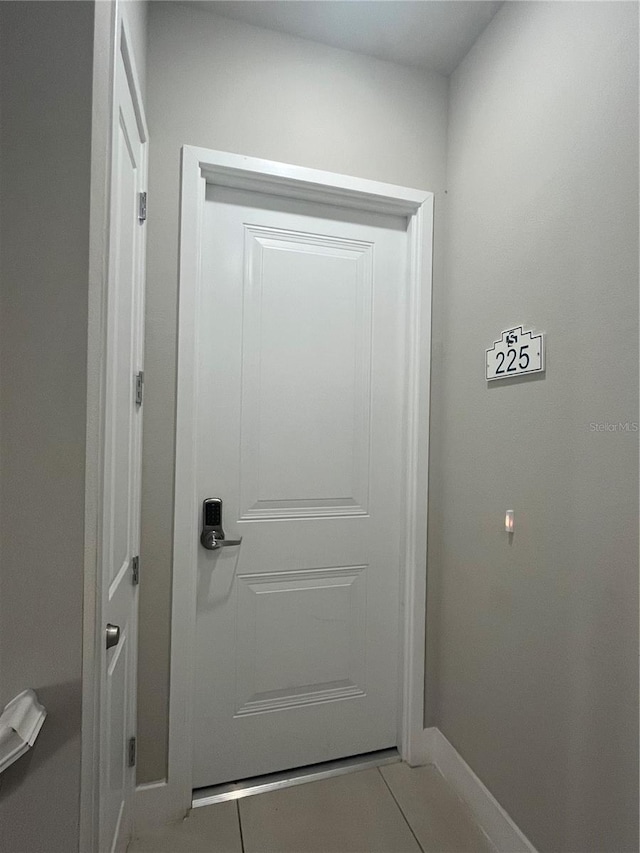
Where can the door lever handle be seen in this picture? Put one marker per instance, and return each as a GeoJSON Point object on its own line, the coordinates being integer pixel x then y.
{"type": "Point", "coordinates": [211, 542]}
{"type": "Point", "coordinates": [212, 536]}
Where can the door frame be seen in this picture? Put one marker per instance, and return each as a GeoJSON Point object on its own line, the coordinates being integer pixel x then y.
{"type": "Point", "coordinates": [199, 168]}
{"type": "Point", "coordinates": [111, 34]}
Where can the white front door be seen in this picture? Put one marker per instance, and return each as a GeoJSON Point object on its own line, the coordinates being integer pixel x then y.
{"type": "Point", "coordinates": [121, 515]}
{"type": "Point", "coordinates": [300, 380]}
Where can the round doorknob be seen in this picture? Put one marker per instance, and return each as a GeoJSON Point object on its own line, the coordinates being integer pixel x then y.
{"type": "Point", "coordinates": [113, 635]}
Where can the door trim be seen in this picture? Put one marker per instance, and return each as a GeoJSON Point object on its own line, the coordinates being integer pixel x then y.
{"type": "Point", "coordinates": [170, 801]}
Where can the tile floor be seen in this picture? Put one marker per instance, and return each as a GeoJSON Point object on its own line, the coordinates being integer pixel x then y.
{"type": "Point", "coordinates": [391, 809]}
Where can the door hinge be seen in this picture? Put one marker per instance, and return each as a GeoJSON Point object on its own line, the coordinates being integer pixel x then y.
{"type": "Point", "coordinates": [135, 571]}
{"type": "Point", "coordinates": [131, 757]}
{"type": "Point", "coordinates": [139, 387]}
{"type": "Point", "coordinates": [142, 207]}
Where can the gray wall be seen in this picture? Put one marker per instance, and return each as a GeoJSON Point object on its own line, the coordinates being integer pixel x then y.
{"type": "Point", "coordinates": [45, 148]}
{"type": "Point", "coordinates": [238, 88]}
{"type": "Point", "coordinates": [537, 653]}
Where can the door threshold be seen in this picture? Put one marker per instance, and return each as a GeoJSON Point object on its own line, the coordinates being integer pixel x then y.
{"type": "Point", "coordinates": [288, 778]}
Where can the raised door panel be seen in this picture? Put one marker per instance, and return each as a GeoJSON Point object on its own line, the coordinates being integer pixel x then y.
{"type": "Point", "coordinates": [116, 722]}
{"type": "Point", "coordinates": [301, 638]}
{"type": "Point", "coordinates": [306, 375]}
{"type": "Point", "coordinates": [119, 474]}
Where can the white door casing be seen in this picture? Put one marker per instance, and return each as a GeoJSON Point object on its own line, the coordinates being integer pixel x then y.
{"type": "Point", "coordinates": [299, 431]}
{"type": "Point", "coordinates": [120, 528]}
{"type": "Point", "coordinates": [201, 169]}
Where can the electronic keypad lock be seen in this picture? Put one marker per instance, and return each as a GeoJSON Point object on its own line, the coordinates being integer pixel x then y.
{"type": "Point", "coordinates": [212, 536]}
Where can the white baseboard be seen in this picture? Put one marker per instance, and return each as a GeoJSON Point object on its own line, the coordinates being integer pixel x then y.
{"type": "Point", "coordinates": [419, 749]}
{"type": "Point", "coordinates": [155, 803]}
{"type": "Point", "coordinates": [494, 821]}
{"type": "Point", "coordinates": [154, 807]}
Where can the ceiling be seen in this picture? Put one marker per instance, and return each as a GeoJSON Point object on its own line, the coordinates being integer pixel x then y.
{"type": "Point", "coordinates": [432, 34]}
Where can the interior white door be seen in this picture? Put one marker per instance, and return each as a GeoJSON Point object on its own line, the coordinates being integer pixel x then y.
{"type": "Point", "coordinates": [121, 516]}
{"type": "Point", "coordinates": [299, 432]}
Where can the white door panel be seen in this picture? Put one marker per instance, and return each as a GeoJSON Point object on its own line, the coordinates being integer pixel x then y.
{"type": "Point", "coordinates": [120, 528]}
{"type": "Point", "coordinates": [299, 431]}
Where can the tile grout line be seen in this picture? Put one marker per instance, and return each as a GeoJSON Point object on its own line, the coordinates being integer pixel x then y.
{"type": "Point", "coordinates": [240, 826]}
{"type": "Point", "coordinates": [406, 819]}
